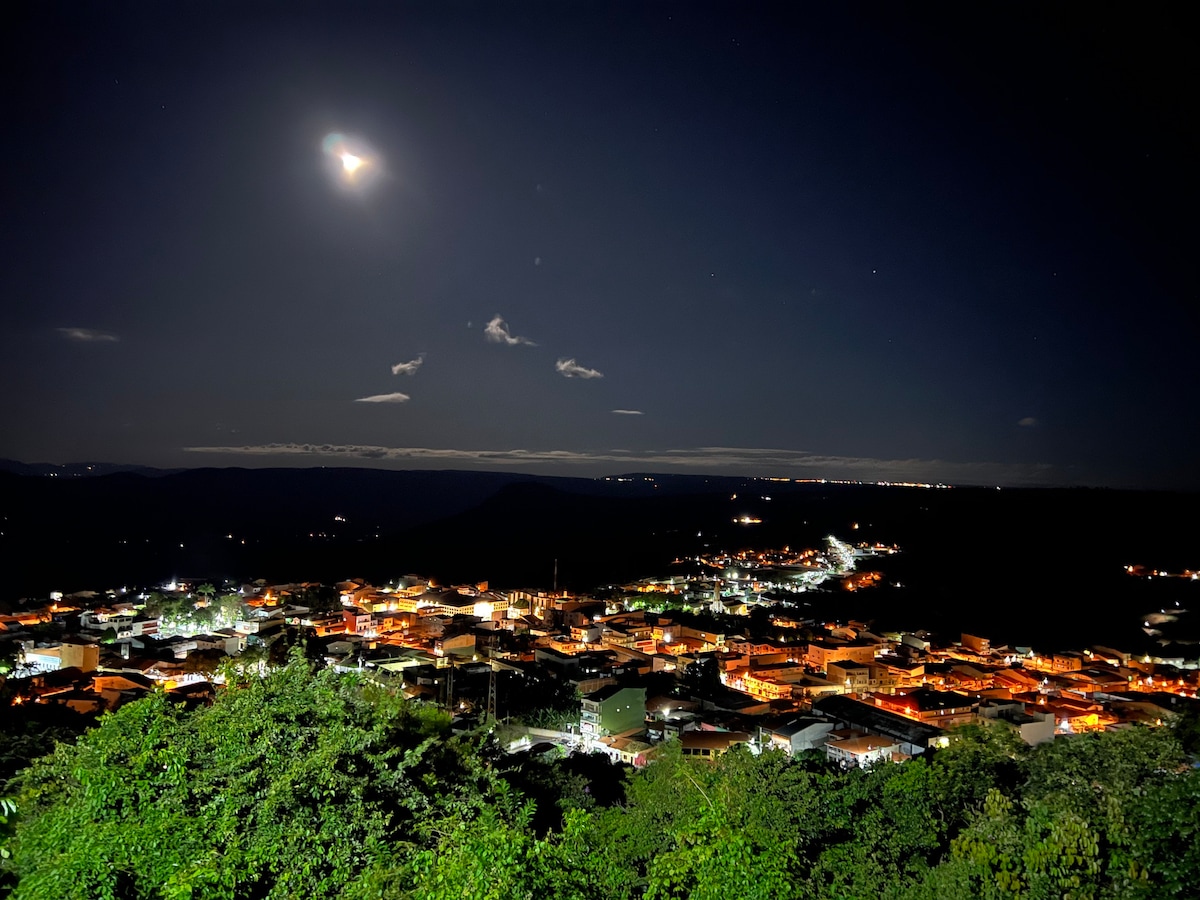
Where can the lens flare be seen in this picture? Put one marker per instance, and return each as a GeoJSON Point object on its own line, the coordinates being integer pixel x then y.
{"type": "Point", "coordinates": [333, 143]}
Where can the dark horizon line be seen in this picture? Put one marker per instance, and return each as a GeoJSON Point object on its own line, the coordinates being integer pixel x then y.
{"type": "Point", "coordinates": [7, 464]}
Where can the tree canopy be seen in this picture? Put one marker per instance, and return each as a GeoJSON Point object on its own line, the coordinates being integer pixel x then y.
{"type": "Point", "coordinates": [300, 783]}
{"type": "Point", "coordinates": [310, 782]}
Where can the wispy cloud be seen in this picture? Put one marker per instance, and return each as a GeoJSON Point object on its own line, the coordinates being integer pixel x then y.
{"type": "Point", "coordinates": [628, 412]}
{"type": "Point", "coordinates": [397, 397]}
{"type": "Point", "coordinates": [408, 368]}
{"type": "Point", "coordinates": [497, 332]}
{"type": "Point", "coordinates": [1027, 422]}
{"type": "Point", "coordinates": [725, 460]}
{"type": "Point", "coordinates": [568, 368]}
{"type": "Point", "coordinates": [87, 335]}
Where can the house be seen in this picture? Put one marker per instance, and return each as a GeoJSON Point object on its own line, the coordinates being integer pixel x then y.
{"type": "Point", "coordinates": [234, 642]}
{"type": "Point", "coordinates": [747, 647]}
{"type": "Point", "coordinates": [708, 745]}
{"type": "Point", "coordinates": [912, 737]}
{"type": "Point", "coordinates": [1067, 661]}
{"type": "Point", "coordinates": [822, 652]}
{"type": "Point", "coordinates": [1033, 725]}
{"type": "Point", "coordinates": [612, 710]}
{"type": "Point", "coordinates": [978, 645]}
{"type": "Point", "coordinates": [851, 748]}
{"type": "Point", "coordinates": [861, 678]}
{"type": "Point", "coordinates": [122, 681]}
{"type": "Point", "coordinates": [355, 620]}
{"type": "Point", "coordinates": [1016, 680]}
{"type": "Point", "coordinates": [769, 688]}
{"type": "Point", "coordinates": [708, 640]}
{"type": "Point", "coordinates": [323, 625]}
{"type": "Point", "coordinates": [1095, 678]}
{"type": "Point", "coordinates": [80, 701]}
{"type": "Point", "coordinates": [586, 634]}
{"type": "Point", "coordinates": [969, 678]}
{"type": "Point", "coordinates": [460, 645]}
{"type": "Point", "coordinates": [1076, 715]}
{"type": "Point", "coordinates": [84, 655]}
{"type": "Point", "coordinates": [263, 623]}
{"type": "Point", "coordinates": [37, 660]}
{"type": "Point", "coordinates": [124, 623]}
{"type": "Point", "coordinates": [797, 735]}
{"type": "Point", "coordinates": [629, 750]}
{"type": "Point", "coordinates": [939, 708]}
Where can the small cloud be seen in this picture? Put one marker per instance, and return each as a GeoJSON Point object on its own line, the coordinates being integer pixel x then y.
{"type": "Point", "coordinates": [87, 335]}
{"type": "Point", "coordinates": [397, 397]}
{"type": "Point", "coordinates": [408, 368]}
{"type": "Point", "coordinates": [628, 412]}
{"type": "Point", "coordinates": [568, 368]}
{"type": "Point", "coordinates": [1027, 422]}
{"type": "Point", "coordinates": [497, 332]}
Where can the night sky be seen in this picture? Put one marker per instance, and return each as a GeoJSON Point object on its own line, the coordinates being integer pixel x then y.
{"type": "Point", "coordinates": [901, 242]}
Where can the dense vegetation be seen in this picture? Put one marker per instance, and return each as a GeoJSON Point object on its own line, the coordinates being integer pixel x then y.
{"type": "Point", "coordinates": [318, 784]}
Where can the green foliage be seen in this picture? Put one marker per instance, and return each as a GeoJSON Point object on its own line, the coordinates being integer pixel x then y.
{"type": "Point", "coordinates": [310, 783]}
{"type": "Point", "coordinates": [557, 783]}
{"type": "Point", "coordinates": [1084, 772]}
{"type": "Point", "coordinates": [229, 606]}
{"type": "Point", "coordinates": [317, 597]}
{"type": "Point", "coordinates": [181, 613]}
{"type": "Point", "coordinates": [296, 784]}
{"type": "Point", "coordinates": [737, 828]}
{"type": "Point", "coordinates": [205, 662]}
{"type": "Point", "coordinates": [48, 632]}
{"type": "Point", "coordinates": [10, 656]}
{"type": "Point", "coordinates": [1098, 815]}
{"type": "Point", "coordinates": [702, 678]}
{"type": "Point", "coordinates": [1035, 853]}
{"type": "Point", "coordinates": [1186, 728]}
{"type": "Point", "coordinates": [980, 757]}
{"type": "Point", "coordinates": [29, 730]}
{"type": "Point", "coordinates": [1164, 828]}
{"type": "Point", "coordinates": [8, 813]}
{"type": "Point", "coordinates": [731, 845]}
{"type": "Point", "coordinates": [541, 702]}
{"type": "Point", "coordinates": [493, 858]}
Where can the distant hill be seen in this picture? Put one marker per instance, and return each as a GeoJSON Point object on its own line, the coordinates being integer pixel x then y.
{"type": "Point", "coordinates": [77, 470]}
{"type": "Point", "coordinates": [1003, 562]}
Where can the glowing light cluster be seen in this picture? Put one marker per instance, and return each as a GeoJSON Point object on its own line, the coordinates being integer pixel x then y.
{"type": "Point", "coordinates": [840, 554]}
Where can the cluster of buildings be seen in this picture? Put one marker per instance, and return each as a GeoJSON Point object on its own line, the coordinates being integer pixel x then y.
{"type": "Point", "coordinates": [861, 697]}
{"type": "Point", "coordinates": [642, 677]}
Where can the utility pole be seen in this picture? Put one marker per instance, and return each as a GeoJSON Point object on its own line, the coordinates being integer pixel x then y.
{"type": "Point", "coordinates": [450, 688]}
{"type": "Point", "coordinates": [491, 697]}
{"type": "Point", "coordinates": [556, 574]}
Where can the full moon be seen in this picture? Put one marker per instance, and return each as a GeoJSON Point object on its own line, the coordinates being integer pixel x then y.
{"type": "Point", "coordinates": [350, 161]}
